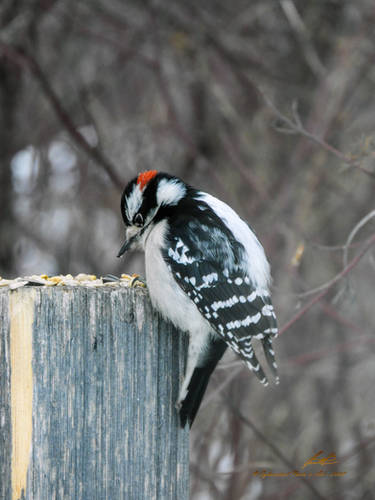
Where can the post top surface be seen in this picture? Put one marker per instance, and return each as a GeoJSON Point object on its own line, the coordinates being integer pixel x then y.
{"type": "Point", "coordinates": [80, 280]}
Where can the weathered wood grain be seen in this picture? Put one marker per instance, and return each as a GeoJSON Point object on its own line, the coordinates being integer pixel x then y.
{"type": "Point", "coordinates": [105, 376]}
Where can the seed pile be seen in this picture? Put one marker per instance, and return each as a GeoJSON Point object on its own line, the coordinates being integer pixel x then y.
{"type": "Point", "coordinates": [85, 280]}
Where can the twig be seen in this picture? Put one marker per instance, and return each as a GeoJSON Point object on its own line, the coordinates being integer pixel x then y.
{"type": "Point", "coordinates": [324, 286]}
{"type": "Point", "coordinates": [353, 232]}
{"type": "Point", "coordinates": [328, 286]}
{"type": "Point", "coordinates": [297, 24]}
{"type": "Point", "coordinates": [295, 126]}
{"type": "Point", "coordinates": [332, 248]}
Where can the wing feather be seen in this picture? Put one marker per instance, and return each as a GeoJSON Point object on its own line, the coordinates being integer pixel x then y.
{"type": "Point", "coordinates": [225, 296]}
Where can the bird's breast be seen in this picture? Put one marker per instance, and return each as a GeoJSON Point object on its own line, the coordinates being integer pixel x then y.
{"type": "Point", "coordinates": [165, 293]}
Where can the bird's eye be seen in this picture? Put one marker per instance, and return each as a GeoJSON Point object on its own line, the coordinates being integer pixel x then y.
{"type": "Point", "coordinates": [138, 220]}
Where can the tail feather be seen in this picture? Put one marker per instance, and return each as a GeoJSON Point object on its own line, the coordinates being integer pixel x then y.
{"type": "Point", "coordinates": [198, 383]}
{"type": "Point", "coordinates": [254, 365]}
{"type": "Point", "coordinates": [196, 390]}
{"type": "Point", "coordinates": [270, 357]}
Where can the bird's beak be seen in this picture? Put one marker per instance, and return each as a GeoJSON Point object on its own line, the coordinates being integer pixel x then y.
{"type": "Point", "coordinates": [124, 248]}
{"type": "Point", "coordinates": [128, 244]}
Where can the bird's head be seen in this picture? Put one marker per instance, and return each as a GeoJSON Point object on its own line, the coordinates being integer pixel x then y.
{"type": "Point", "coordinates": [141, 202]}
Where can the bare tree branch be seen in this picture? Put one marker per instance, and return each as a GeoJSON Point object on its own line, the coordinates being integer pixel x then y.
{"type": "Point", "coordinates": [28, 61]}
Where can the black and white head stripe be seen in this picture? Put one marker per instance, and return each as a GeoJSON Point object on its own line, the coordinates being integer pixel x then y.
{"type": "Point", "coordinates": [170, 191]}
{"type": "Point", "coordinates": [208, 264]}
{"type": "Point", "coordinates": [148, 192]}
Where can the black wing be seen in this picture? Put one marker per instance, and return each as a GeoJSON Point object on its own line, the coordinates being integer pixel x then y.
{"type": "Point", "coordinates": [228, 299]}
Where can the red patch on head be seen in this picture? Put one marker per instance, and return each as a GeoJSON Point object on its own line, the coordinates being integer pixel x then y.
{"type": "Point", "coordinates": [145, 177]}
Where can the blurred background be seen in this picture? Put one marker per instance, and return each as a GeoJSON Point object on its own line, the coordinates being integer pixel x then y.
{"type": "Point", "coordinates": [267, 104]}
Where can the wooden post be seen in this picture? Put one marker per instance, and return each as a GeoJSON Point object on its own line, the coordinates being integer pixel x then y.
{"type": "Point", "coordinates": [88, 382]}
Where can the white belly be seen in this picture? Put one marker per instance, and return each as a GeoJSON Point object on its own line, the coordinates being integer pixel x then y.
{"type": "Point", "coordinates": [166, 295]}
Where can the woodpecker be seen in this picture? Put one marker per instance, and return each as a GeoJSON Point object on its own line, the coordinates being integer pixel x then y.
{"type": "Point", "coordinates": [206, 272]}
